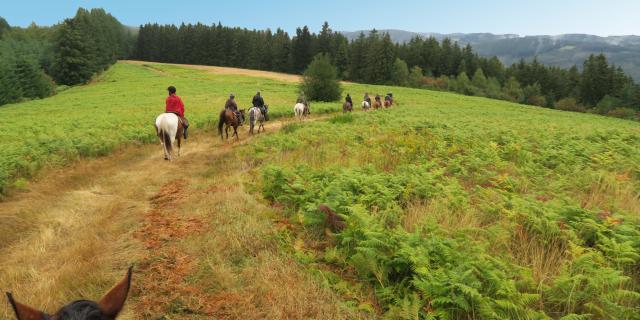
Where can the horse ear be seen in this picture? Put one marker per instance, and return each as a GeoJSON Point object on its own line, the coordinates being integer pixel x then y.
{"type": "Point", "coordinates": [24, 312]}
{"type": "Point", "coordinates": [113, 302]}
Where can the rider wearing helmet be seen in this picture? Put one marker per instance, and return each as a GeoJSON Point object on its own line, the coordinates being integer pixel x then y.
{"type": "Point", "coordinates": [174, 105]}
{"type": "Point", "coordinates": [367, 98]}
{"type": "Point", "coordinates": [232, 105]}
{"type": "Point", "coordinates": [348, 99]}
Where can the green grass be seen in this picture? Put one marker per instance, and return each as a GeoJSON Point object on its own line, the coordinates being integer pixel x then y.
{"type": "Point", "coordinates": [118, 109]}
{"type": "Point", "coordinates": [456, 207]}
{"type": "Point", "coordinates": [462, 208]}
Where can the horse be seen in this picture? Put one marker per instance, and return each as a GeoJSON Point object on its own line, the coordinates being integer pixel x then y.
{"type": "Point", "coordinates": [107, 308]}
{"type": "Point", "coordinates": [377, 105]}
{"type": "Point", "coordinates": [255, 115]}
{"type": "Point", "coordinates": [346, 106]}
{"type": "Point", "coordinates": [301, 110]}
{"type": "Point", "coordinates": [229, 118]}
{"type": "Point", "coordinates": [387, 104]}
{"type": "Point", "coordinates": [169, 129]}
{"type": "Point", "coordinates": [365, 105]}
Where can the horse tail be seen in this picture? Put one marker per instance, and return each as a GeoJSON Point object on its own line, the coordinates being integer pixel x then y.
{"type": "Point", "coordinates": [221, 122]}
{"type": "Point", "coordinates": [166, 139]}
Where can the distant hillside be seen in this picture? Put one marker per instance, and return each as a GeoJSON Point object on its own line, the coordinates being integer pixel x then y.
{"type": "Point", "coordinates": [562, 50]}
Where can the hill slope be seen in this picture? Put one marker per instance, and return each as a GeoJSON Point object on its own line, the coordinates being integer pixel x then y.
{"type": "Point", "coordinates": [561, 50]}
{"type": "Point", "coordinates": [452, 206]}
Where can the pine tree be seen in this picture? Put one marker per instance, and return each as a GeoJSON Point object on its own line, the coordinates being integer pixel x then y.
{"type": "Point", "coordinates": [74, 61]}
{"type": "Point", "coordinates": [302, 49]}
{"type": "Point", "coordinates": [4, 26]}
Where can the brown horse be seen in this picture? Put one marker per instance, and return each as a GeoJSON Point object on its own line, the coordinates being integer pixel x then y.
{"type": "Point", "coordinates": [107, 308]}
{"type": "Point", "coordinates": [346, 106]}
{"type": "Point", "coordinates": [377, 105]}
{"type": "Point", "coordinates": [387, 104]}
{"type": "Point", "coordinates": [229, 118]}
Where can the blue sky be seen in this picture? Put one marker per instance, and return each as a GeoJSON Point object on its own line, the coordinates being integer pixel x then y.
{"type": "Point", "coordinates": [600, 17]}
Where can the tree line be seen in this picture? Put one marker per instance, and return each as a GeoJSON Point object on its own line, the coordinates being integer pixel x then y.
{"type": "Point", "coordinates": [35, 60]}
{"type": "Point", "coordinates": [374, 58]}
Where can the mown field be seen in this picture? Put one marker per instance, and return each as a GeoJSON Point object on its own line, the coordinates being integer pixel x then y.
{"type": "Point", "coordinates": [455, 207]}
{"type": "Point", "coordinates": [462, 208]}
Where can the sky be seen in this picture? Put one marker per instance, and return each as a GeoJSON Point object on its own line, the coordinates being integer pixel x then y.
{"type": "Point", "coordinates": [532, 17]}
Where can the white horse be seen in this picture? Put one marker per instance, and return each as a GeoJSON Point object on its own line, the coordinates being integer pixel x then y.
{"type": "Point", "coordinates": [301, 110]}
{"type": "Point", "coordinates": [365, 105]}
{"type": "Point", "coordinates": [169, 129]}
{"type": "Point", "coordinates": [255, 115]}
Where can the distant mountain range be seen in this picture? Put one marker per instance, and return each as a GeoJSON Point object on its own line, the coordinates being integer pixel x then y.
{"type": "Point", "coordinates": [562, 50]}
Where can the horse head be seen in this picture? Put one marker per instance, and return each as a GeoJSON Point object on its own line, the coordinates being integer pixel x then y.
{"type": "Point", "coordinates": [107, 308]}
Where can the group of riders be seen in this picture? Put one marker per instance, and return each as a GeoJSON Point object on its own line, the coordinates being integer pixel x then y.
{"type": "Point", "coordinates": [175, 105]}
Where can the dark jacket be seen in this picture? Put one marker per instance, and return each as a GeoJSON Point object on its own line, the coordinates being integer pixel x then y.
{"type": "Point", "coordinates": [348, 99]}
{"type": "Point", "coordinates": [367, 98]}
{"type": "Point", "coordinates": [231, 104]}
{"type": "Point", "coordinates": [257, 101]}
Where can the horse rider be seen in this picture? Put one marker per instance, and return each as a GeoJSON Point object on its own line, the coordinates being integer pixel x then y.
{"type": "Point", "coordinates": [348, 99]}
{"type": "Point", "coordinates": [367, 98]}
{"type": "Point", "coordinates": [174, 105]}
{"type": "Point", "coordinates": [232, 105]}
{"type": "Point", "coordinates": [378, 99]}
{"type": "Point", "coordinates": [389, 97]}
{"type": "Point", "coordinates": [258, 102]}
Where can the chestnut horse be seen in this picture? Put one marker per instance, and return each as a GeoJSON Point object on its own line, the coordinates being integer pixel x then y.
{"type": "Point", "coordinates": [107, 308]}
{"type": "Point", "coordinates": [377, 105]}
{"type": "Point", "coordinates": [228, 119]}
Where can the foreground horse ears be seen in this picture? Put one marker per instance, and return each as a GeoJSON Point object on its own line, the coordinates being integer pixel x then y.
{"type": "Point", "coordinates": [24, 312]}
{"type": "Point", "coordinates": [110, 305]}
{"type": "Point", "coordinates": [113, 302]}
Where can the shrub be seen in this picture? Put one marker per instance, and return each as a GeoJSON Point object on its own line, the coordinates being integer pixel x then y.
{"type": "Point", "coordinates": [624, 113]}
{"type": "Point", "coordinates": [569, 104]}
{"type": "Point", "coordinates": [320, 80]}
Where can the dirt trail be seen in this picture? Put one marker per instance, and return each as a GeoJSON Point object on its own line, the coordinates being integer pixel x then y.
{"type": "Point", "coordinates": [85, 223]}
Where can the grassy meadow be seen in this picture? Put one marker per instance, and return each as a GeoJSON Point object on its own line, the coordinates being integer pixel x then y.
{"type": "Point", "coordinates": [456, 207]}
{"type": "Point", "coordinates": [120, 108]}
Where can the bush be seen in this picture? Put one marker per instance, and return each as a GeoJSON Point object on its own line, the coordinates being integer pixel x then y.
{"type": "Point", "coordinates": [320, 81]}
{"type": "Point", "coordinates": [400, 75]}
{"type": "Point", "coordinates": [624, 113]}
{"type": "Point", "coordinates": [569, 104]}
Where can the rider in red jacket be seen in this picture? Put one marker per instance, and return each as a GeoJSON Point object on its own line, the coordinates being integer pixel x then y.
{"type": "Point", "coordinates": [174, 105]}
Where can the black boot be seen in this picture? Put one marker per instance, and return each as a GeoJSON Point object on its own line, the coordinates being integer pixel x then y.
{"type": "Point", "coordinates": [185, 132]}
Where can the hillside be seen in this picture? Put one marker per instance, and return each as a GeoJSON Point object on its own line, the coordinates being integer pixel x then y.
{"type": "Point", "coordinates": [561, 50]}
{"type": "Point", "coordinates": [447, 205]}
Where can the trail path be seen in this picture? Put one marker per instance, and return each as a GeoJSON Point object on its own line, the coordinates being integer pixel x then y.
{"type": "Point", "coordinates": [79, 227]}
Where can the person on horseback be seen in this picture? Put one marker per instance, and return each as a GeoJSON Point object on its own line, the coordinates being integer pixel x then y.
{"type": "Point", "coordinates": [367, 98]}
{"type": "Point", "coordinates": [389, 97]}
{"type": "Point", "coordinates": [232, 105]}
{"type": "Point", "coordinates": [348, 99]}
{"type": "Point", "coordinates": [258, 102]}
{"type": "Point", "coordinates": [174, 105]}
{"type": "Point", "coordinates": [378, 99]}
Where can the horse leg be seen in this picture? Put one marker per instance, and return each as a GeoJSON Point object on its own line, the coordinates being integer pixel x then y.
{"type": "Point", "coordinates": [179, 143]}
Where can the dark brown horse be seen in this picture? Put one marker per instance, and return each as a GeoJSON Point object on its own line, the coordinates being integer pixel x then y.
{"type": "Point", "coordinates": [346, 106]}
{"type": "Point", "coordinates": [228, 119]}
{"type": "Point", "coordinates": [387, 104]}
{"type": "Point", "coordinates": [107, 308]}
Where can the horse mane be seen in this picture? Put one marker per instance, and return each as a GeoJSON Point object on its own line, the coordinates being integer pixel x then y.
{"type": "Point", "coordinates": [81, 310]}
